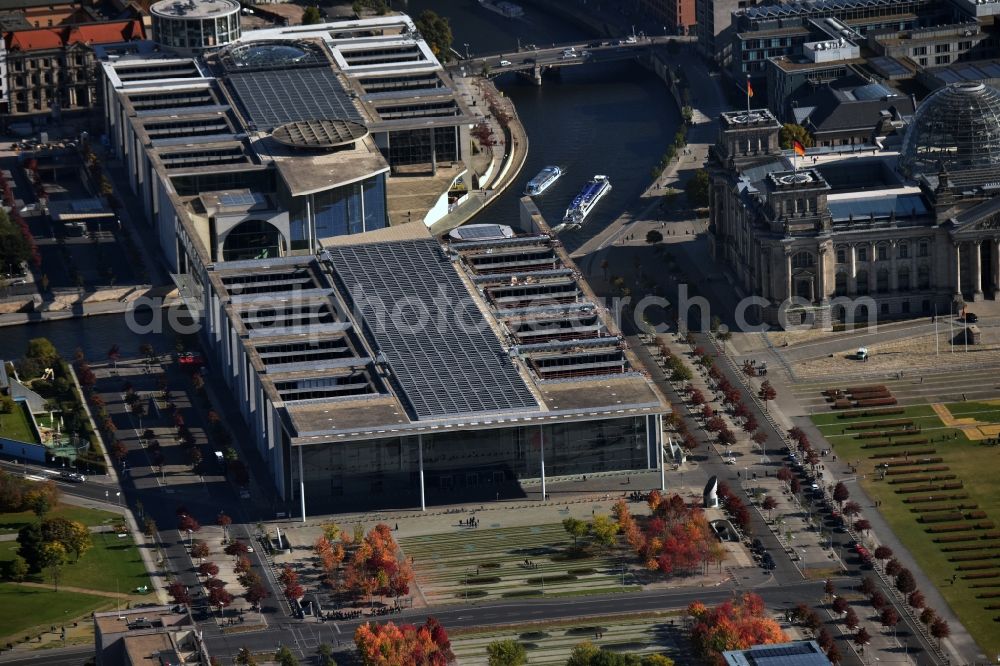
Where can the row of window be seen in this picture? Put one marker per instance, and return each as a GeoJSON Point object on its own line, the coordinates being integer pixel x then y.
{"type": "Point", "coordinates": [882, 282]}
{"type": "Point", "coordinates": [882, 252]}
{"type": "Point", "coordinates": [21, 64]}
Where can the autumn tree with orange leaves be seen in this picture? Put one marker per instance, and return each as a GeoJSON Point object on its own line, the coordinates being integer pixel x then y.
{"type": "Point", "coordinates": [732, 626]}
{"type": "Point", "coordinates": [374, 567]}
{"type": "Point", "coordinates": [404, 645]}
{"type": "Point", "coordinates": [675, 538]}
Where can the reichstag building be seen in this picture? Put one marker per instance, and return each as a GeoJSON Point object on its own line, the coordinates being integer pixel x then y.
{"type": "Point", "coordinates": [911, 220]}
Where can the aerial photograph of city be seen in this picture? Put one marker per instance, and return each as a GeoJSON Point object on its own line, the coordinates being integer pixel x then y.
{"type": "Point", "coordinates": [499, 332]}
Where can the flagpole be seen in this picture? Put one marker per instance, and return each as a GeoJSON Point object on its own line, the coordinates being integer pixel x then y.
{"type": "Point", "coordinates": [748, 96]}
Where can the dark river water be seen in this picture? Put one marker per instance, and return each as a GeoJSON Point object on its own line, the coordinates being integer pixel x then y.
{"type": "Point", "coordinates": [612, 118]}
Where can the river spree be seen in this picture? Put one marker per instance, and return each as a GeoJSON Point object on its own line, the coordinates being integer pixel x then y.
{"type": "Point", "coordinates": [615, 119]}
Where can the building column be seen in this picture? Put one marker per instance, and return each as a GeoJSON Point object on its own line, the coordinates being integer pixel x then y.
{"type": "Point", "coordinates": [852, 277]}
{"type": "Point", "coordinates": [872, 268]}
{"type": "Point", "coordinates": [820, 294]}
{"type": "Point", "coordinates": [302, 487]}
{"type": "Point", "coordinates": [893, 276]}
{"type": "Point", "coordinates": [958, 268]}
{"type": "Point", "coordinates": [996, 269]}
{"type": "Point", "coordinates": [541, 441]}
{"type": "Point", "coordinates": [788, 273]}
{"type": "Point", "coordinates": [420, 466]}
{"type": "Point", "coordinates": [977, 271]}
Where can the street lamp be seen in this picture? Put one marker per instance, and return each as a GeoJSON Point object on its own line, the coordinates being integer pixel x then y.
{"type": "Point", "coordinates": [467, 50]}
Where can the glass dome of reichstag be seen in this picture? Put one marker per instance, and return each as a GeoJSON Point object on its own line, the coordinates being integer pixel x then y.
{"type": "Point", "coordinates": [958, 128]}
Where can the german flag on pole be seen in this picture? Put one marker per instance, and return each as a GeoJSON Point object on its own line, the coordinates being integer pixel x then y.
{"type": "Point", "coordinates": [800, 150]}
{"type": "Point", "coordinates": [749, 89]}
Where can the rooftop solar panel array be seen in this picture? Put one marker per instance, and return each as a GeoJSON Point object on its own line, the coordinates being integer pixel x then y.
{"type": "Point", "coordinates": [273, 98]}
{"type": "Point", "coordinates": [451, 366]}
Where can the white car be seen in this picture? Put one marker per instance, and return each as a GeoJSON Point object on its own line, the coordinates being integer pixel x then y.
{"type": "Point", "coordinates": [630, 39]}
{"type": "Point", "coordinates": [730, 461]}
{"type": "Point", "coordinates": [505, 63]}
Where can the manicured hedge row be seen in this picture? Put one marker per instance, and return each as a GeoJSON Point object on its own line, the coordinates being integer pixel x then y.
{"type": "Point", "coordinates": [974, 557]}
{"type": "Point", "coordinates": [876, 402]}
{"type": "Point", "coordinates": [980, 576]}
{"type": "Point", "coordinates": [940, 517]}
{"type": "Point", "coordinates": [842, 404]}
{"type": "Point", "coordinates": [888, 423]}
{"type": "Point", "coordinates": [900, 442]}
{"type": "Point", "coordinates": [954, 527]}
{"type": "Point", "coordinates": [872, 434]}
{"type": "Point", "coordinates": [936, 507]}
{"type": "Point", "coordinates": [911, 479]}
{"type": "Point", "coordinates": [958, 549]}
{"type": "Point", "coordinates": [975, 515]}
{"type": "Point", "coordinates": [935, 498]}
{"type": "Point", "coordinates": [976, 567]}
{"type": "Point", "coordinates": [918, 470]}
{"type": "Point", "coordinates": [955, 538]}
{"type": "Point", "coordinates": [854, 389]}
{"type": "Point", "coordinates": [913, 452]}
{"type": "Point", "coordinates": [862, 413]}
{"type": "Point", "coordinates": [917, 489]}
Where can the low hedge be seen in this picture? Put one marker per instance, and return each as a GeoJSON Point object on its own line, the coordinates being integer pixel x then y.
{"type": "Point", "coordinates": [898, 442]}
{"type": "Point", "coordinates": [872, 434]}
{"type": "Point", "coordinates": [876, 402]}
{"type": "Point", "coordinates": [954, 527]}
{"type": "Point", "coordinates": [862, 413]}
{"type": "Point", "coordinates": [917, 489]}
{"type": "Point", "coordinates": [952, 486]}
{"type": "Point", "coordinates": [940, 517]}
{"type": "Point", "coordinates": [936, 507]}
{"type": "Point", "coordinates": [975, 515]}
{"type": "Point", "coordinates": [888, 423]}
{"type": "Point", "coordinates": [842, 404]}
{"type": "Point", "coordinates": [934, 498]}
{"type": "Point", "coordinates": [988, 595]}
{"type": "Point", "coordinates": [959, 549]}
{"type": "Point", "coordinates": [918, 470]}
{"type": "Point", "coordinates": [974, 557]}
{"type": "Point", "coordinates": [914, 452]}
{"type": "Point", "coordinates": [983, 586]}
{"type": "Point", "coordinates": [483, 580]}
{"type": "Point", "coordinates": [955, 538]}
{"type": "Point", "coordinates": [976, 567]}
{"type": "Point", "coordinates": [911, 479]}
{"type": "Point", "coordinates": [981, 575]}
{"type": "Point", "coordinates": [555, 578]}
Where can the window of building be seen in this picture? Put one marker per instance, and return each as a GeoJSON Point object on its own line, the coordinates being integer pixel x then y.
{"type": "Point", "coordinates": [802, 260]}
{"type": "Point", "coordinates": [906, 307]}
{"type": "Point", "coordinates": [920, 50]}
{"type": "Point", "coordinates": [942, 60]}
{"type": "Point", "coordinates": [904, 251]}
{"type": "Point", "coordinates": [841, 256]}
{"type": "Point", "coordinates": [883, 253]}
{"type": "Point", "coordinates": [922, 62]}
{"type": "Point", "coordinates": [862, 254]}
{"type": "Point", "coordinates": [922, 249]}
{"type": "Point", "coordinates": [942, 48]}
{"type": "Point", "coordinates": [964, 46]}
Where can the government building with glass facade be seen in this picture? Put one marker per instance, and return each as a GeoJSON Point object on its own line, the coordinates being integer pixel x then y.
{"type": "Point", "coordinates": [375, 365]}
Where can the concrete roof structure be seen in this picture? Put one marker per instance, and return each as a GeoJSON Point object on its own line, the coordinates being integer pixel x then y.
{"type": "Point", "coordinates": [487, 332]}
{"type": "Point", "coordinates": [799, 653]}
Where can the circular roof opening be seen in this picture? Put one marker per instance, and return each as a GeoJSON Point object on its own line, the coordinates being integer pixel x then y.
{"type": "Point", "coordinates": [317, 134]}
{"type": "Point", "coordinates": [267, 55]}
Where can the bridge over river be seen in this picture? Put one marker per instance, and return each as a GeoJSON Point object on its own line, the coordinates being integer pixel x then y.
{"type": "Point", "coordinates": [533, 62]}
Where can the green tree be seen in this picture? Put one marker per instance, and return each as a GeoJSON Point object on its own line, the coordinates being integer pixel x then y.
{"type": "Point", "coordinates": [791, 132]}
{"type": "Point", "coordinates": [507, 652]}
{"type": "Point", "coordinates": [436, 31]}
{"type": "Point", "coordinates": [17, 569]}
{"type": "Point", "coordinates": [656, 660]}
{"type": "Point", "coordinates": [696, 189]}
{"type": "Point", "coordinates": [604, 529]}
{"type": "Point", "coordinates": [375, 6]}
{"type": "Point", "coordinates": [583, 654]}
{"type": "Point", "coordinates": [245, 658]}
{"type": "Point", "coordinates": [575, 528]}
{"type": "Point", "coordinates": [30, 541]}
{"type": "Point", "coordinates": [653, 236]}
{"type": "Point", "coordinates": [43, 351]}
{"type": "Point", "coordinates": [53, 557]}
{"type": "Point", "coordinates": [14, 246]}
{"type": "Point", "coordinates": [325, 654]}
{"type": "Point", "coordinates": [311, 16]}
{"type": "Point", "coordinates": [284, 657]}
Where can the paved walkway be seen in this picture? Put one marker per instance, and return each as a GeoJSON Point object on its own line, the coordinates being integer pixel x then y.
{"type": "Point", "coordinates": [81, 590]}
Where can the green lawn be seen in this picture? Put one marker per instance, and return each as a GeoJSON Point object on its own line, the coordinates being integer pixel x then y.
{"type": "Point", "coordinates": [12, 522]}
{"type": "Point", "coordinates": [975, 465]}
{"type": "Point", "coordinates": [15, 425]}
{"type": "Point", "coordinates": [112, 565]}
{"type": "Point", "coordinates": [23, 608]}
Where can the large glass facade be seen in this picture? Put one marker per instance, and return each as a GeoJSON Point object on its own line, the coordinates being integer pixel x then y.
{"type": "Point", "coordinates": [473, 464]}
{"type": "Point", "coordinates": [350, 209]}
{"type": "Point", "coordinates": [414, 146]}
{"type": "Point", "coordinates": [196, 33]}
{"type": "Point", "coordinates": [252, 239]}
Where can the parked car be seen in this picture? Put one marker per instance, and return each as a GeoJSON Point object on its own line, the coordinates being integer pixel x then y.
{"type": "Point", "coordinates": [72, 477]}
{"type": "Point", "coordinates": [505, 63]}
{"type": "Point", "coordinates": [971, 318]}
